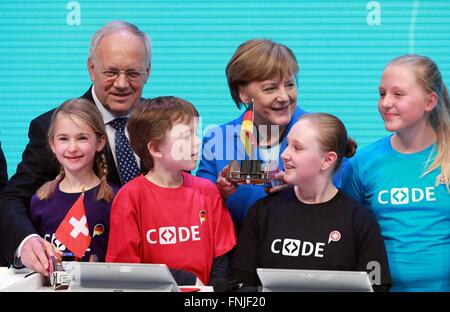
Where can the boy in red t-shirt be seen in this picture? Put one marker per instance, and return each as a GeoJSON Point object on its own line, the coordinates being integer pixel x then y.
{"type": "Point", "coordinates": [169, 216]}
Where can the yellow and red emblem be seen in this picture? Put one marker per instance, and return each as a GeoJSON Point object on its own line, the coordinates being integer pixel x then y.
{"type": "Point", "coordinates": [246, 134]}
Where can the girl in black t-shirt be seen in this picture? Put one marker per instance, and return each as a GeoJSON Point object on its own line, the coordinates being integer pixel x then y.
{"type": "Point", "coordinates": [312, 224]}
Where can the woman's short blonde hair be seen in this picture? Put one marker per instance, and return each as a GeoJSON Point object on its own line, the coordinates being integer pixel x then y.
{"type": "Point", "coordinates": [258, 60]}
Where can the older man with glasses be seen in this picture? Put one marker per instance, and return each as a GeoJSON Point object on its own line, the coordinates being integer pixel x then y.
{"type": "Point", "coordinates": [119, 66]}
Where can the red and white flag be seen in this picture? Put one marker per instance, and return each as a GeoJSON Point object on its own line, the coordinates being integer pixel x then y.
{"type": "Point", "coordinates": [73, 231]}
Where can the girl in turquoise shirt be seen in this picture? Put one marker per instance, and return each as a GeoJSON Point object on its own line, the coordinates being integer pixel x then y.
{"type": "Point", "coordinates": [404, 178]}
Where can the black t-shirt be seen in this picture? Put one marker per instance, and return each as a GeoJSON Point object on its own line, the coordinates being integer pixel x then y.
{"type": "Point", "coordinates": [282, 232]}
{"type": "Point", "coordinates": [3, 171]}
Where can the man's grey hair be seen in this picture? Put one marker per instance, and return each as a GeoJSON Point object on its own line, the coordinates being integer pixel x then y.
{"type": "Point", "coordinates": [115, 27]}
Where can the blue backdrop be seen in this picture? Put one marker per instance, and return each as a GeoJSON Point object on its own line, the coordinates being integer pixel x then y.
{"type": "Point", "coordinates": [341, 47]}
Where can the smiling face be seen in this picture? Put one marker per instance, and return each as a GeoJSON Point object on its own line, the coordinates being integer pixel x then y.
{"type": "Point", "coordinates": [303, 158]}
{"type": "Point", "coordinates": [74, 144]}
{"type": "Point", "coordinates": [274, 100]}
{"type": "Point", "coordinates": [180, 146]}
{"type": "Point", "coordinates": [403, 103]}
{"type": "Point", "coordinates": [116, 52]}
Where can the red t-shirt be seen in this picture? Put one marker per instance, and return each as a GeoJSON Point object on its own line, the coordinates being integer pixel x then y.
{"type": "Point", "coordinates": [184, 227]}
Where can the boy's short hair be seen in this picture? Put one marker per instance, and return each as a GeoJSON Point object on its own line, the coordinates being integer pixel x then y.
{"type": "Point", "coordinates": [152, 118]}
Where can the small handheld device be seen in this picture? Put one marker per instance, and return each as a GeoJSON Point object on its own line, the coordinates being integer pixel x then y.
{"type": "Point", "coordinates": [250, 172]}
{"type": "Point", "coordinates": [59, 278]}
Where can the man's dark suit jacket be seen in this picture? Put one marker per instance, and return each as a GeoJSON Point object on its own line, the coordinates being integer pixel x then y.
{"type": "Point", "coordinates": [38, 165]}
{"type": "Point", "coordinates": [3, 170]}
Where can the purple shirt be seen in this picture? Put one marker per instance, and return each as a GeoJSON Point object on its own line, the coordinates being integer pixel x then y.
{"type": "Point", "coordinates": [46, 216]}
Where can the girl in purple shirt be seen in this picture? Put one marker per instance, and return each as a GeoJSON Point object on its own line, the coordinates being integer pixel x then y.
{"type": "Point", "coordinates": [77, 138]}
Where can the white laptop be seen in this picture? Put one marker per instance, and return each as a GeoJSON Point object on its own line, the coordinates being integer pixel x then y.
{"type": "Point", "coordinates": [101, 276]}
{"type": "Point", "coordinates": [313, 280]}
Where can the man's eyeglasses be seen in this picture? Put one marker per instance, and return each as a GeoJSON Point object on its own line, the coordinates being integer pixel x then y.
{"type": "Point", "coordinates": [131, 75]}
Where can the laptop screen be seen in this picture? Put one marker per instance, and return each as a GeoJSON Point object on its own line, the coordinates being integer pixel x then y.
{"type": "Point", "coordinates": [120, 276]}
{"type": "Point", "coordinates": [314, 280]}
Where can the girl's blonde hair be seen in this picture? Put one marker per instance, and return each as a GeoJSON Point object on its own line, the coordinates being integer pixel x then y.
{"type": "Point", "coordinates": [332, 136]}
{"type": "Point", "coordinates": [430, 79]}
{"type": "Point", "coordinates": [88, 113]}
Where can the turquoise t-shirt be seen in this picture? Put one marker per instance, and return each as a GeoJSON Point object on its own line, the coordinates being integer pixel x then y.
{"type": "Point", "coordinates": [413, 213]}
